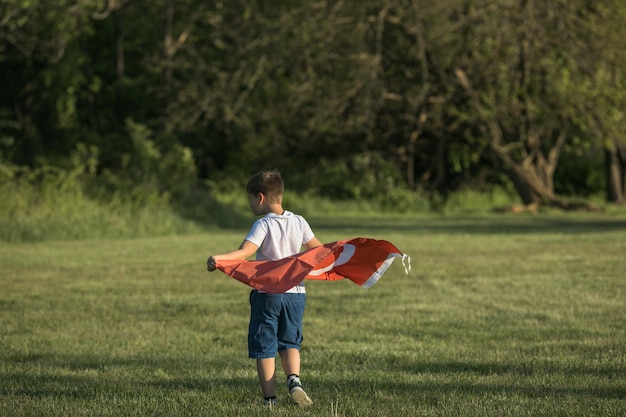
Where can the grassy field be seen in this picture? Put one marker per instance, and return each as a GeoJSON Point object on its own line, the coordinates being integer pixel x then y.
{"type": "Point", "coordinates": [501, 316]}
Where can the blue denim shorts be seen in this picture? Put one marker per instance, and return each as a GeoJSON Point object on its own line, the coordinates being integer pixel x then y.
{"type": "Point", "coordinates": [275, 323]}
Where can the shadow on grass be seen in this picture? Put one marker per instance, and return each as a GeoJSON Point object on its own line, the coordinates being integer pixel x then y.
{"type": "Point", "coordinates": [521, 370]}
{"type": "Point", "coordinates": [50, 378]}
{"type": "Point", "coordinates": [462, 380]}
{"type": "Point", "coordinates": [49, 385]}
{"type": "Point", "coordinates": [88, 377]}
{"type": "Point", "coordinates": [476, 225]}
{"type": "Point", "coordinates": [523, 388]}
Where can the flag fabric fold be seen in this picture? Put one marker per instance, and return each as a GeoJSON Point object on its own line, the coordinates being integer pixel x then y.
{"type": "Point", "coordinates": [361, 260]}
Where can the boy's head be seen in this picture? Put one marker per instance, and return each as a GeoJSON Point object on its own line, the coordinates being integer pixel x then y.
{"type": "Point", "coordinates": [269, 183]}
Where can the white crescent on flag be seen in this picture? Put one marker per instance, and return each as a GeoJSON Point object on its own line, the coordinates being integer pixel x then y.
{"type": "Point", "coordinates": [361, 260]}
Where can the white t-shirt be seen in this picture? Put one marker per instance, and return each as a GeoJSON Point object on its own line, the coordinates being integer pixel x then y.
{"type": "Point", "coordinates": [279, 235]}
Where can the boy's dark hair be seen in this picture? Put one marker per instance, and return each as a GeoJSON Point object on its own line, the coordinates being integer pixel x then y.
{"type": "Point", "coordinates": [268, 182]}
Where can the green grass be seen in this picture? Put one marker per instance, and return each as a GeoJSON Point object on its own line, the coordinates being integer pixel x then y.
{"type": "Point", "coordinates": [501, 316]}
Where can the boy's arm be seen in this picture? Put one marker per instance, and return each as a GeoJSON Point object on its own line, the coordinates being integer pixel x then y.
{"type": "Point", "coordinates": [246, 250]}
{"type": "Point", "coordinates": [313, 243]}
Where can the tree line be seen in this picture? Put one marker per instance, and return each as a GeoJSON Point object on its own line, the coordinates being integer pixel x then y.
{"type": "Point", "coordinates": [349, 99]}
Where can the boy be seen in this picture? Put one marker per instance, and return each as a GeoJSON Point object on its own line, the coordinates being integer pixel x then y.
{"type": "Point", "coordinates": [275, 319]}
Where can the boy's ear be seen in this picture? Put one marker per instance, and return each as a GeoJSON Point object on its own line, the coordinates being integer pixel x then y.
{"type": "Point", "coordinates": [261, 198]}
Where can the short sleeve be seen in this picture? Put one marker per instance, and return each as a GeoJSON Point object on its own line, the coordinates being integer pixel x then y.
{"type": "Point", "coordinates": [257, 233]}
{"type": "Point", "coordinates": [307, 232]}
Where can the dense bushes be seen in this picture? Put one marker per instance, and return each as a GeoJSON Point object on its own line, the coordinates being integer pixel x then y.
{"type": "Point", "coordinates": [77, 201]}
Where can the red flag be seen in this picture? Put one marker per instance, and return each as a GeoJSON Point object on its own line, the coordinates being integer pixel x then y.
{"type": "Point", "coordinates": [361, 260]}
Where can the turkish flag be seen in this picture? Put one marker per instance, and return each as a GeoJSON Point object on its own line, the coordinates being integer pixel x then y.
{"type": "Point", "coordinates": [361, 260]}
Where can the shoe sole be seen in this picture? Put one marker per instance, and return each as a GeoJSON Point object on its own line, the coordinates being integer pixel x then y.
{"type": "Point", "coordinates": [299, 397]}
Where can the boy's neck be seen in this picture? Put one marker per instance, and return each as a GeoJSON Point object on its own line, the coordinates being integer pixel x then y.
{"type": "Point", "coordinates": [276, 209]}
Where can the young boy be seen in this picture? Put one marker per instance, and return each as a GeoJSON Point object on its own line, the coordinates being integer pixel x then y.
{"type": "Point", "coordinates": [275, 319]}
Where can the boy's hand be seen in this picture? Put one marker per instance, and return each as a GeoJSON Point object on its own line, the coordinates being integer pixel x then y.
{"type": "Point", "coordinates": [211, 265]}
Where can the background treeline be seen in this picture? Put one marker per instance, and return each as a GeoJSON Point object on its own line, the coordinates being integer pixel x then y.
{"type": "Point", "coordinates": [394, 101]}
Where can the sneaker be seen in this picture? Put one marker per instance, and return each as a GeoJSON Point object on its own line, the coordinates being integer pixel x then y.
{"type": "Point", "coordinates": [297, 394]}
{"type": "Point", "coordinates": [270, 403]}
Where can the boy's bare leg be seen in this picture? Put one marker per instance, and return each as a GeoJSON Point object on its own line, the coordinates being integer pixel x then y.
{"type": "Point", "coordinates": [266, 368]}
{"type": "Point", "coordinates": [290, 359]}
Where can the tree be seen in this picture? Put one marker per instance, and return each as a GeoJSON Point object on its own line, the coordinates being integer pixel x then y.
{"type": "Point", "coordinates": [516, 68]}
{"type": "Point", "coordinates": [37, 101]}
{"type": "Point", "coordinates": [434, 92]}
{"type": "Point", "coordinates": [603, 95]}
{"type": "Point", "coordinates": [277, 85]}
{"type": "Point", "coordinates": [412, 118]}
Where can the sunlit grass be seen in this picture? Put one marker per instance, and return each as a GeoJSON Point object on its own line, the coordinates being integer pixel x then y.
{"type": "Point", "coordinates": [517, 316]}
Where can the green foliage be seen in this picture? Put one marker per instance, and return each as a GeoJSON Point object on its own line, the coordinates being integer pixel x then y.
{"type": "Point", "coordinates": [366, 89]}
{"type": "Point", "coordinates": [468, 200]}
{"type": "Point", "coordinates": [168, 168]}
{"type": "Point", "coordinates": [224, 203]}
{"type": "Point", "coordinates": [365, 176]}
{"type": "Point", "coordinates": [50, 203]}
{"type": "Point", "coordinates": [149, 167]}
{"type": "Point", "coordinates": [580, 175]}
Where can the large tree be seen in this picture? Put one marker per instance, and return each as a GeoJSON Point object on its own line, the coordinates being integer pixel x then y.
{"type": "Point", "coordinates": [467, 82]}
{"type": "Point", "coordinates": [517, 69]}
{"type": "Point", "coordinates": [602, 99]}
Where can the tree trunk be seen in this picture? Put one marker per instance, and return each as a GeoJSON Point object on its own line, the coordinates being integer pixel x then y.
{"type": "Point", "coordinates": [119, 64]}
{"type": "Point", "coordinates": [168, 54]}
{"type": "Point", "coordinates": [529, 187]}
{"type": "Point", "coordinates": [615, 170]}
{"type": "Point", "coordinates": [410, 163]}
{"type": "Point", "coordinates": [622, 158]}
{"type": "Point", "coordinates": [441, 163]}
{"type": "Point", "coordinates": [532, 181]}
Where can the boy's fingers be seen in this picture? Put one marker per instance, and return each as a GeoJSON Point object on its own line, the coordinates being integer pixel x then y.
{"type": "Point", "coordinates": [210, 264]}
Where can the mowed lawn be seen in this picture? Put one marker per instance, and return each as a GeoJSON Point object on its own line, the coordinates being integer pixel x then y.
{"type": "Point", "coordinates": [500, 316]}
